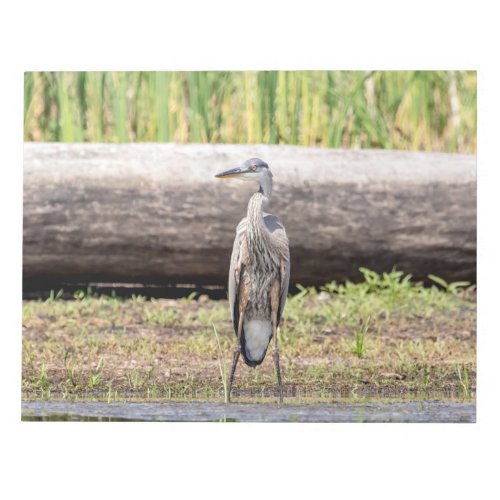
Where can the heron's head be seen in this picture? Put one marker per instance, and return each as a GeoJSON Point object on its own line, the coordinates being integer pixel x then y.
{"type": "Point", "coordinates": [253, 169]}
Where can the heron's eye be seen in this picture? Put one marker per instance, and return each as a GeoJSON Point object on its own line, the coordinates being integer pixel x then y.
{"type": "Point", "coordinates": [253, 168]}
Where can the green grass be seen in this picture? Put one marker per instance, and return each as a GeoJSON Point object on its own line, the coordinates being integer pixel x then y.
{"type": "Point", "coordinates": [463, 376]}
{"type": "Point", "coordinates": [415, 110]}
{"type": "Point", "coordinates": [155, 315]}
{"type": "Point", "coordinates": [222, 365]}
{"type": "Point", "coordinates": [387, 335]}
{"type": "Point", "coordinates": [359, 339]}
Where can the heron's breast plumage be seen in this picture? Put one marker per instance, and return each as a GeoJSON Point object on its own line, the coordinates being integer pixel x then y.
{"type": "Point", "coordinates": [262, 248]}
{"type": "Point", "coordinates": [259, 274]}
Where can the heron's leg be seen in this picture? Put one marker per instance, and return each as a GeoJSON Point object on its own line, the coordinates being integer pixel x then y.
{"type": "Point", "coordinates": [236, 355]}
{"type": "Point", "coordinates": [274, 318]}
{"type": "Point", "coordinates": [243, 298]}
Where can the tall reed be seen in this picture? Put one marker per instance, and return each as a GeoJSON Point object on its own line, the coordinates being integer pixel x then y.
{"type": "Point", "coordinates": [418, 110]}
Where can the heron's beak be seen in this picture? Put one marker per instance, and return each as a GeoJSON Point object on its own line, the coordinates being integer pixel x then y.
{"type": "Point", "coordinates": [233, 172]}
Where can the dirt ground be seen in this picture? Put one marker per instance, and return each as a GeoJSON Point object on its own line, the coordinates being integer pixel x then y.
{"type": "Point", "coordinates": [353, 341]}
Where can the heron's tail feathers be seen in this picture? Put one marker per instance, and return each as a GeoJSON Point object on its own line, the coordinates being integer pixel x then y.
{"type": "Point", "coordinates": [255, 339]}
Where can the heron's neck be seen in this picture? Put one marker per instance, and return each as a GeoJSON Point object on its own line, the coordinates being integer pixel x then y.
{"type": "Point", "coordinates": [266, 185]}
{"type": "Point", "coordinates": [257, 233]}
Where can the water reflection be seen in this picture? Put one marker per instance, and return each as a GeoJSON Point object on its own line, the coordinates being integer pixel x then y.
{"type": "Point", "coordinates": [203, 411]}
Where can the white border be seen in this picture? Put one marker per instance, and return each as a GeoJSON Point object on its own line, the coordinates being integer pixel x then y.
{"type": "Point", "coordinates": [306, 461]}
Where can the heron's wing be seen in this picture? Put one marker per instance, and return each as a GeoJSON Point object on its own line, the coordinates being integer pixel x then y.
{"type": "Point", "coordinates": [284, 288]}
{"type": "Point", "coordinates": [234, 267]}
{"type": "Point", "coordinates": [280, 243]}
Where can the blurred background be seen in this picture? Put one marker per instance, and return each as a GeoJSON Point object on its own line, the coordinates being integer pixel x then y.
{"type": "Point", "coordinates": [409, 110]}
{"type": "Point", "coordinates": [368, 185]}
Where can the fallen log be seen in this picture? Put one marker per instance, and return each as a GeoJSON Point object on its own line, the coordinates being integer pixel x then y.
{"type": "Point", "coordinates": [155, 214]}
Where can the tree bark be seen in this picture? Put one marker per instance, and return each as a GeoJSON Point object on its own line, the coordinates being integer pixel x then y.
{"type": "Point", "coordinates": [155, 214]}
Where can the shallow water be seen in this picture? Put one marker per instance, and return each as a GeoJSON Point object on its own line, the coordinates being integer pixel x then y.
{"type": "Point", "coordinates": [198, 411]}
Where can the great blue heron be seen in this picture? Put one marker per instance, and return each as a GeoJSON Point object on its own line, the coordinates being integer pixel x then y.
{"type": "Point", "coordinates": [258, 274]}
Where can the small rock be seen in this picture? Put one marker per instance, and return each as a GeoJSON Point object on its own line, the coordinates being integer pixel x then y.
{"type": "Point", "coordinates": [203, 298]}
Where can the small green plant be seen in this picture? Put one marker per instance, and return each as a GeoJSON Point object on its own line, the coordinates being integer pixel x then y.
{"type": "Point", "coordinates": [70, 369]}
{"type": "Point", "coordinates": [93, 380]}
{"type": "Point", "coordinates": [283, 336]}
{"type": "Point", "coordinates": [303, 292]}
{"type": "Point", "coordinates": [85, 295]}
{"type": "Point", "coordinates": [155, 315]}
{"type": "Point", "coordinates": [95, 376]}
{"type": "Point", "coordinates": [222, 365]}
{"type": "Point", "coordinates": [138, 298]}
{"type": "Point", "coordinates": [190, 297]}
{"type": "Point", "coordinates": [113, 298]}
{"type": "Point", "coordinates": [454, 288]}
{"type": "Point", "coordinates": [54, 296]}
{"type": "Point", "coordinates": [359, 339]}
{"type": "Point", "coordinates": [110, 387]}
{"type": "Point", "coordinates": [29, 356]}
{"type": "Point", "coordinates": [137, 379]}
{"type": "Point", "coordinates": [42, 379]}
{"type": "Point", "coordinates": [331, 287]}
{"type": "Point", "coordinates": [463, 377]}
{"type": "Point", "coordinates": [133, 378]}
{"type": "Point", "coordinates": [426, 379]}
